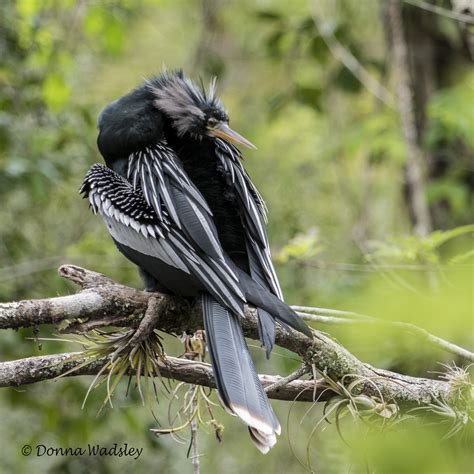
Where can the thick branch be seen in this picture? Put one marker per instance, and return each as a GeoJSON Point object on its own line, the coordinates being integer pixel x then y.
{"type": "Point", "coordinates": [105, 303]}
{"type": "Point", "coordinates": [102, 302]}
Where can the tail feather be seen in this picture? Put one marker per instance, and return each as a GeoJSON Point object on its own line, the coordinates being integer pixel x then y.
{"type": "Point", "coordinates": [266, 330]}
{"type": "Point", "coordinates": [236, 378]}
{"type": "Point", "coordinates": [262, 298]}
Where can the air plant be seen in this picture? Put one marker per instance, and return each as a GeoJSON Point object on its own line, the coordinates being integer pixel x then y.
{"type": "Point", "coordinates": [141, 361]}
{"type": "Point", "coordinates": [196, 408]}
{"type": "Point", "coordinates": [457, 410]}
{"type": "Point", "coordinates": [374, 411]}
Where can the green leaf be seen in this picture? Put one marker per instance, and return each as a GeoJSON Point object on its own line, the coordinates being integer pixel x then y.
{"type": "Point", "coordinates": [301, 247]}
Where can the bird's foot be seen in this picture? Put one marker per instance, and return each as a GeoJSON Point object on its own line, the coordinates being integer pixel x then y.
{"type": "Point", "coordinates": [195, 345]}
{"type": "Point", "coordinates": [144, 332]}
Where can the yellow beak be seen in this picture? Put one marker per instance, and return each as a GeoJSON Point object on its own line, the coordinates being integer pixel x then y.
{"type": "Point", "coordinates": [222, 130]}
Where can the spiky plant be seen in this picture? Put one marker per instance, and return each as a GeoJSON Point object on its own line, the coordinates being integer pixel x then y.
{"type": "Point", "coordinates": [458, 409]}
{"type": "Point", "coordinates": [141, 362]}
{"type": "Point", "coordinates": [374, 411]}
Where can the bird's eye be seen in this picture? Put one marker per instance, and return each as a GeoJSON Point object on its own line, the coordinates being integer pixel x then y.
{"type": "Point", "coordinates": [212, 122]}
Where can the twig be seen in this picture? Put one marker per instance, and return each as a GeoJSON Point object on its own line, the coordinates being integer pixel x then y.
{"type": "Point", "coordinates": [371, 268]}
{"type": "Point", "coordinates": [321, 318]}
{"type": "Point", "coordinates": [442, 11]}
{"type": "Point", "coordinates": [353, 64]}
{"type": "Point", "coordinates": [331, 312]}
{"type": "Point", "coordinates": [311, 314]}
{"type": "Point", "coordinates": [286, 380]}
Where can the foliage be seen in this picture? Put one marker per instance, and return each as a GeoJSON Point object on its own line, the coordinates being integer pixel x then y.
{"type": "Point", "coordinates": [330, 166]}
{"type": "Point", "coordinates": [414, 249]}
{"type": "Point", "coordinates": [300, 247]}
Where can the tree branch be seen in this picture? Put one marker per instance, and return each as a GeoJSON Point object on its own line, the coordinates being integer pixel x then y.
{"type": "Point", "coordinates": [103, 302]}
{"type": "Point", "coordinates": [41, 368]}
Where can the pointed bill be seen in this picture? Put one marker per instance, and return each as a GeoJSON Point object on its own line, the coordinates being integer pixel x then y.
{"type": "Point", "coordinates": [222, 130]}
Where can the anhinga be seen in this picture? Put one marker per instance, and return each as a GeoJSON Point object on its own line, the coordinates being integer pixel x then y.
{"type": "Point", "coordinates": [179, 204]}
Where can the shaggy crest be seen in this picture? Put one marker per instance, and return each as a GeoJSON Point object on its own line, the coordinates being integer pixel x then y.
{"type": "Point", "coordinates": [186, 104]}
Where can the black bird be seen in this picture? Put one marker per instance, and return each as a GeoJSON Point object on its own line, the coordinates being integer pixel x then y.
{"type": "Point", "coordinates": [179, 204]}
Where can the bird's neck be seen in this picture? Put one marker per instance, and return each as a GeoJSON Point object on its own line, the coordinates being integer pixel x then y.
{"type": "Point", "coordinates": [205, 170]}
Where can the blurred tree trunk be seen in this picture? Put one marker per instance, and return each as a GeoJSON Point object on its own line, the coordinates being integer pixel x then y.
{"type": "Point", "coordinates": [415, 193]}
{"type": "Point", "coordinates": [430, 55]}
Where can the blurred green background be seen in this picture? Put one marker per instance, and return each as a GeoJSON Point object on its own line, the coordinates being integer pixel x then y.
{"type": "Point", "coordinates": [331, 164]}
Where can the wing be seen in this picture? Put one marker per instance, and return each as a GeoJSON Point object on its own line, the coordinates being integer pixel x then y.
{"type": "Point", "coordinates": [166, 188]}
{"type": "Point", "coordinates": [254, 214]}
{"type": "Point", "coordinates": [134, 223]}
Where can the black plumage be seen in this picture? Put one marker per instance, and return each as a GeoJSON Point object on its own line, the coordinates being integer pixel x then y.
{"type": "Point", "coordinates": [179, 204]}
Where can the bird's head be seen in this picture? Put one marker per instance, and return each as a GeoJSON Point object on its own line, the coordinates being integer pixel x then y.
{"type": "Point", "coordinates": [191, 109]}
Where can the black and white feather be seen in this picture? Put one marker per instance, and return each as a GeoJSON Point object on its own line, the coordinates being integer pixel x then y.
{"type": "Point", "coordinates": [254, 213]}
{"type": "Point", "coordinates": [133, 223]}
{"type": "Point", "coordinates": [157, 171]}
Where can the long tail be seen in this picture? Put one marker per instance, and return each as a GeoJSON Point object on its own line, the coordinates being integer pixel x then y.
{"type": "Point", "coordinates": [237, 381]}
